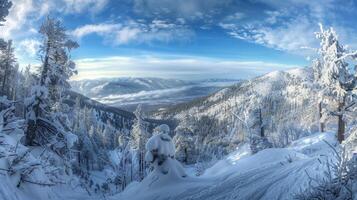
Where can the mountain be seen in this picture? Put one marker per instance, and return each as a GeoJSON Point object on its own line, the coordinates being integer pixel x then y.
{"type": "Point", "coordinates": [152, 93]}
{"type": "Point", "coordinates": [284, 99]}
{"type": "Point", "coordinates": [120, 119]}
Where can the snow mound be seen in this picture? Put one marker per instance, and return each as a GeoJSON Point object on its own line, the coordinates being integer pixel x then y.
{"type": "Point", "coordinates": [316, 144]}
{"type": "Point", "coordinates": [276, 173]}
{"type": "Point", "coordinates": [162, 143]}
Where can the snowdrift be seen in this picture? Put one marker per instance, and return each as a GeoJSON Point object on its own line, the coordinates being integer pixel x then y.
{"type": "Point", "coordinates": [277, 173]}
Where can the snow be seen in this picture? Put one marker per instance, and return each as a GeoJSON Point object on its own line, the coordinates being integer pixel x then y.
{"type": "Point", "coordinates": [276, 173]}
{"type": "Point", "coordinates": [71, 139]}
{"type": "Point", "coordinates": [162, 143]}
{"type": "Point", "coordinates": [315, 144]}
{"type": "Point", "coordinates": [224, 165]}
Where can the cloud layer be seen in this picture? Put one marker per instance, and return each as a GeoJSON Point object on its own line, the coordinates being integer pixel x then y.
{"type": "Point", "coordinates": [173, 67]}
{"type": "Point", "coordinates": [283, 25]}
{"type": "Point", "coordinates": [135, 31]}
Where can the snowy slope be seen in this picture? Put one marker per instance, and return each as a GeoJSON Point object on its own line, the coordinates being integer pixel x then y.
{"type": "Point", "coordinates": [269, 174]}
{"type": "Point", "coordinates": [285, 98]}
{"type": "Point", "coordinates": [292, 86]}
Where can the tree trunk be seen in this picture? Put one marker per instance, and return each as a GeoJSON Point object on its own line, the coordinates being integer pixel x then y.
{"type": "Point", "coordinates": [30, 133]}
{"type": "Point", "coordinates": [32, 124]}
{"type": "Point", "coordinates": [141, 165]}
{"type": "Point", "coordinates": [6, 69]}
{"type": "Point", "coordinates": [341, 129]}
{"type": "Point", "coordinates": [321, 124]}
{"type": "Point", "coordinates": [341, 124]}
{"type": "Point", "coordinates": [186, 155]}
{"type": "Point", "coordinates": [261, 124]}
{"type": "Point", "coordinates": [45, 65]}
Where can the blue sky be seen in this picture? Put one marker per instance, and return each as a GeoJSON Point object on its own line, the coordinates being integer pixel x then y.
{"type": "Point", "coordinates": [185, 39]}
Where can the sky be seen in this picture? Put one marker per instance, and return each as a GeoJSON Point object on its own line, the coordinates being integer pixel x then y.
{"type": "Point", "coordinates": [183, 39]}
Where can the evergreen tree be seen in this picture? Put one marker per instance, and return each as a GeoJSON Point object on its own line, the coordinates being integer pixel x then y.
{"type": "Point", "coordinates": [184, 140]}
{"type": "Point", "coordinates": [337, 79]}
{"type": "Point", "coordinates": [45, 125]}
{"type": "Point", "coordinates": [5, 5]}
{"type": "Point", "coordinates": [258, 139]}
{"type": "Point", "coordinates": [317, 67]}
{"type": "Point", "coordinates": [138, 141]}
{"type": "Point", "coordinates": [8, 67]}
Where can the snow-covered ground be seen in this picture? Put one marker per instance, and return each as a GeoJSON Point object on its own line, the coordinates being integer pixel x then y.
{"type": "Point", "coordinates": [277, 173]}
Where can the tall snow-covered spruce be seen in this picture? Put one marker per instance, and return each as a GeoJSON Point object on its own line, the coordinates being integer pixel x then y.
{"type": "Point", "coordinates": [139, 137]}
{"type": "Point", "coordinates": [186, 142]}
{"type": "Point", "coordinates": [337, 80]}
{"type": "Point", "coordinates": [47, 124]}
{"type": "Point", "coordinates": [10, 67]}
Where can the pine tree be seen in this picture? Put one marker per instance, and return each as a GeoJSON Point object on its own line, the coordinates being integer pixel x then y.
{"type": "Point", "coordinates": [8, 67]}
{"type": "Point", "coordinates": [258, 139]}
{"type": "Point", "coordinates": [184, 140]}
{"type": "Point", "coordinates": [5, 5]}
{"type": "Point", "coordinates": [138, 141]}
{"type": "Point", "coordinates": [317, 67]}
{"type": "Point", "coordinates": [45, 124]}
{"type": "Point", "coordinates": [338, 82]}
{"type": "Point", "coordinates": [57, 65]}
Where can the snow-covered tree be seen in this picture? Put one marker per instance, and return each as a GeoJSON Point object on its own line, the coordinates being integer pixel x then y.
{"type": "Point", "coordinates": [55, 51]}
{"type": "Point", "coordinates": [337, 79]}
{"type": "Point", "coordinates": [138, 141]}
{"type": "Point", "coordinates": [8, 68]}
{"type": "Point", "coordinates": [184, 140]}
{"type": "Point", "coordinates": [28, 81]}
{"type": "Point", "coordinates": [258, 140]}
{"type": "Point", "coordinates": [46, 125]}
{"type": "Point", "coordinates": [161, 154]}
{"type": "Point", "coordinates": [162, 129]}
{"type": "Point", "coordinates": [5, 5]}
{"type": "Point", "coordinates": [317, 67]}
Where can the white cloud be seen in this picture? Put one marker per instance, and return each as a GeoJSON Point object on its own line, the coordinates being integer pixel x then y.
{"type": "Point", "coordinates": [135, 31]}
{"type": "Point", "coordinates": [25, 15]}
{"type": "Point", "coordinates": [127, 34]}
{"type": "Point", "coordinates": [17, 18]}
{"type": "Point", "coordinates": [172, 67]}
{"type": "Point", "coordinates": [79, 6]}
{"type": "Point", "coordinates": [100, 29]}
{"type": "Point", "coordinates": [290, 25]}
{"type": "Point", "coordinates": [283, 28]}
{"type": "Point", "coordinates": [235, 16]}
{"type": "Point", "coordinates": [30, 46]}
{"type": "Point", "coordinates": [187, 9]}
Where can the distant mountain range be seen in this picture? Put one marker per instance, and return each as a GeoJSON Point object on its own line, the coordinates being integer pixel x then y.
{"type": "Point", "coordinates": [152, 93]}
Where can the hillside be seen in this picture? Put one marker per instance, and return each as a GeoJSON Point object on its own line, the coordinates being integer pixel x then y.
{"type": "Point", "coordinates": [284, 98]}
{"type": "Point", "coordinates": [120, 118]}
{"type": "Point", "coordinates": [278, 173]}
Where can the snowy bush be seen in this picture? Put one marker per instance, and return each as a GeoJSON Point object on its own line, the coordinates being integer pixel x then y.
{"type": "Point", "coordinates": [16, 160]}
{"type": "Point", "coordinates": [161, 154]}
{"type": "Point", "coordinates": [258, 143]}
{"type": "Point", "coordinates": [186, 150]}
{"type": "Point", "coordinates": [339, 181]}
{"type": "Point", "coordinates": [163, 128]}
